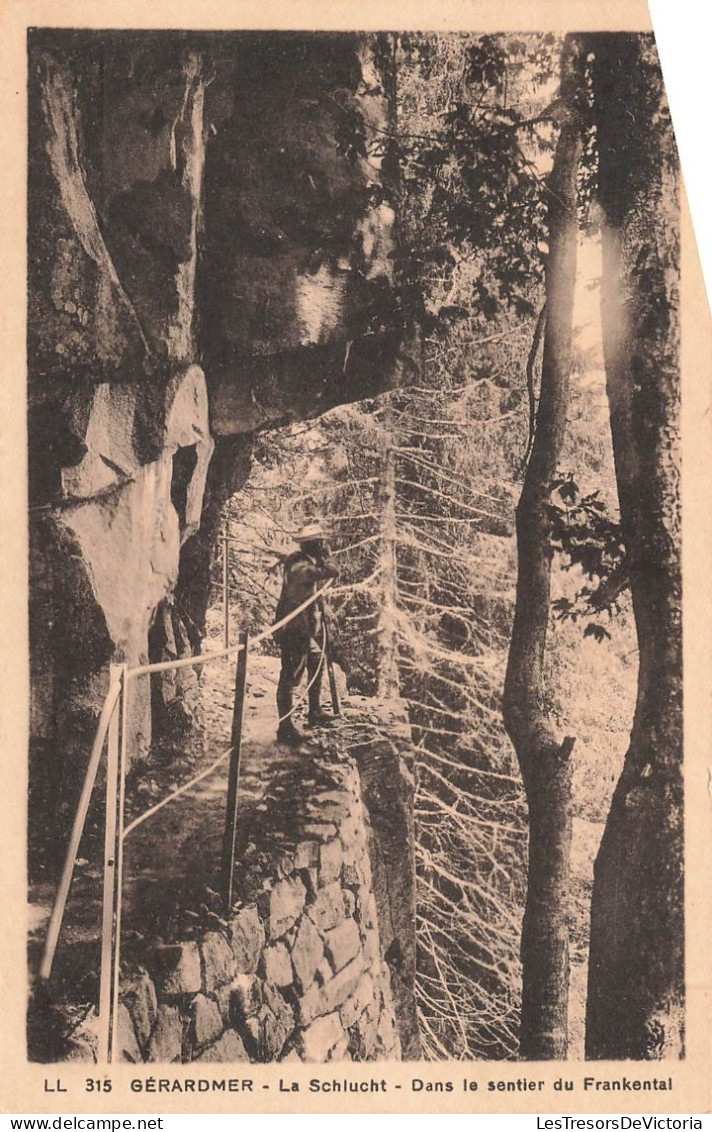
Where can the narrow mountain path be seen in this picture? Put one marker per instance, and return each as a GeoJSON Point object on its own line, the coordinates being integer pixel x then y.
{"type": "Point", "coordinates": [172, 859]}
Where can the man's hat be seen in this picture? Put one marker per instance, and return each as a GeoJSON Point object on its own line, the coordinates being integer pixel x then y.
{"type": "Point", "coordinates": [311, 533]}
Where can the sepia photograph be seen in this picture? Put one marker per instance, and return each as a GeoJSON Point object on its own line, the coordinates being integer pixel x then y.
{"type": "Point", "coordinates": [354, 555]}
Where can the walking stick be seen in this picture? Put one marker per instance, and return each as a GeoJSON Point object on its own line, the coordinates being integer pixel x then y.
{"type": "Point", "coordinates": [335, 705]}
{"type": "Point", "coordinates": [228, 850]}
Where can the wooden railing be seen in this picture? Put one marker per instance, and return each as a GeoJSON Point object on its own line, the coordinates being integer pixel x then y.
{"type": "Point", "coordinates": [112, 735]}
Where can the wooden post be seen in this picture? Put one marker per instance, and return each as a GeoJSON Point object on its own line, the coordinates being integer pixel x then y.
{"type": "Point", "coordinates": [106, 982]}
{"type": "Point", "coordinates": [226, 587]}
{"type": "Point", "coordinates": [80, 817]}
{"type": "Point", "coordinates": [123, 767]}
{"type": "Point", "coordinates": [335, 705]}
{"type": "Point", "coordinates": [228, 856]}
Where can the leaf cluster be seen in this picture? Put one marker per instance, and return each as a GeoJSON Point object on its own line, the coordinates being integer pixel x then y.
{"type": "Point", "coordinates": [475, 174]}
{"type": "Point", "coordinates": [585, 536]}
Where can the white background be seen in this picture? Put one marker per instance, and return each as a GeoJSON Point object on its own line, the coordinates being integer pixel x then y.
{"type": "Point", "coordinates": [683, 29]}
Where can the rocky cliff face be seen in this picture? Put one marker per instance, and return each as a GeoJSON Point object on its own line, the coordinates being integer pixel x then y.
{"type": "Point", "coordinates": [209, 255]}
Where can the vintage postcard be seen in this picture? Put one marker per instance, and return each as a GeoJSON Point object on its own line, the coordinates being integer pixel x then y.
{"type": "Point", "coordinates": [356, 432]}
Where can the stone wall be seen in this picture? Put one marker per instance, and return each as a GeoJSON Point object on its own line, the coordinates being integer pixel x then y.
{"type": "Point", "coordinates": [297, 971]}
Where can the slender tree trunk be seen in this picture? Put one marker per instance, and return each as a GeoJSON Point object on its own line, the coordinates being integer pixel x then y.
{"type": "Point", "coordinates": [543, 759]}
{"type": "Point", "coordinates": [388, 672]}
{"type": "Point", "coordinates": [388, 679]}
{"type": "Point", "coordinates": [636, 966]}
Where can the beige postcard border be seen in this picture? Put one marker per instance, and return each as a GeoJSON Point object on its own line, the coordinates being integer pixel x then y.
{"type": "Point", "coordinates": [32, 1088]}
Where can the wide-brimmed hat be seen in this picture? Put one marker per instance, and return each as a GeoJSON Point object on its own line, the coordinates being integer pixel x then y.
{"type": "Point", "coordinates": [311, 533]}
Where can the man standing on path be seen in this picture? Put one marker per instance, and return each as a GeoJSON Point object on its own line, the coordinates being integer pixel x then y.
{"type": "Point", "coordinates": [301, 641]}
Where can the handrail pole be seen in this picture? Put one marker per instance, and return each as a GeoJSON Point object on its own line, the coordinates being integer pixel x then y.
{"type": "Point", "coordinates": [110, 851]}
{"type": "Point", "coordinates": [123, 767]}
{"type": "Point", "coordinates": [228, 855]}
{"type": "Point", "coordinates": [226, 587]}
{"type": "Point", "coordinates": [60, 903]}
{"type": "Point", "coordinates": [116, 732]}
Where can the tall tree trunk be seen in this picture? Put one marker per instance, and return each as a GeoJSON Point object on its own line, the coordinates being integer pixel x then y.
{"type": "Point", "coordinates": [636, 976]}
{"type": "Point", "coordinates": [544, 761]}
{"type": "Point", "coordinates": [388, 672]}
{"type": "Point", "coordinates": [388, 679]}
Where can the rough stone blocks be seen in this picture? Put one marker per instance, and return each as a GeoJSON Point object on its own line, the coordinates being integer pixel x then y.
{"type": "Point", "coordinates": [342, 943]}
{"type": "Point", "coordinates": [244, 995]}
{"type": "Point", "coordinates": [166, 1042]}
{"type": "Point", "coordinates": [128, 1046]}
{"type": "Point", "coordinates": [206, 1021]}
{"type": "Point", "coordinates": [228, 1048]}
{"type": "Point", "coordinates": [247, 936]}
{"type": "Point", "coordinates": [139, 995]}
{"type": "Point", "coordinates": [322, 1000]}
{"type": "Point", "coordinates": [331, 859]}
{"type": "Point", "coordinates": [177, 969]}
{"type": "Point", "coordinates": [320, 1037]}
{"type": "Point", "coordinates": [307, 953]}
{"type": "Point", "coordinates": [286, 903]}
{"type": "Point", "coordinates": [218, 960]}
{"type": "Point", "coordinates": [363, 997]}
{"type": "Point", "coordinates": [277, 965]}
{"type": "Point", "coordinates": [328, 908]}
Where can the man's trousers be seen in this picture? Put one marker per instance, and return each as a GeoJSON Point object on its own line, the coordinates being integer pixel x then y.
{"type": "Point", "coordinates": [299, 653]}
